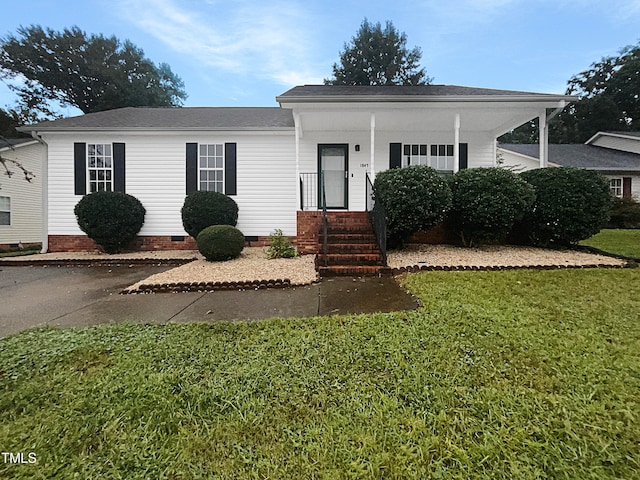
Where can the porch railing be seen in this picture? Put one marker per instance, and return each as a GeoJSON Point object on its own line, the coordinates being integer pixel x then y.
{"type": "Point", "coordinates": [309, 191]}
{"type": "Point", "coordinates": [378, 219]}
{"type": "Point", "coordinates": [325, 222]}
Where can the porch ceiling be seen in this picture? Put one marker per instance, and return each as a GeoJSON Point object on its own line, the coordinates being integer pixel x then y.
{"type": "Point", "coordinates": [494, 119]}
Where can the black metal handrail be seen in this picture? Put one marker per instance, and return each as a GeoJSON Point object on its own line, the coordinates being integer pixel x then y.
{"type": "Point", "coordinates": [325, 221]}
{"type": "Point", "coordinates": [309, 191]}
{"type": "Point", "coordinates": [378, 219]}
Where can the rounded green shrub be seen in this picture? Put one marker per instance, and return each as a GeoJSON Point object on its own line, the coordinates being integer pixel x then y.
{"type": "Point", "coordinates": [487, 203]}
{"type": "Point", "coordinates": [571, 205]}
{"type": "Point", "coordinates": [220, 242]}
{"type": "Point", "coordinates": [414, 198]}
{"type": "Point", "coordinates": [625, 213]}
{"type": "Point", "coordinates": [202, 209]}
{"type": "Point", "coordinates": [111, 219]}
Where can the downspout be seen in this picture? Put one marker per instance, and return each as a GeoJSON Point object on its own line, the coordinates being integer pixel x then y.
{"type": "Point", "coordinates": [44, 173]}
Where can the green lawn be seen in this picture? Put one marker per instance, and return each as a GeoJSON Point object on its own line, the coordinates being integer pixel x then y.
{"type": "Point", "coordinates": [501, 375]}
{"type": "Point", "coordinates": [622, 242]}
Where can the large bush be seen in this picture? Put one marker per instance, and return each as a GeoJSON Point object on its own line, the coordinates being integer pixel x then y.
{"type": "Point", "coordinates": [202, 209]}
{"type": "Point", "coordinates": [486, 204]}
{"type": "Point", "coordinates": [571, 205]}
{"type": "Point", "coordinates": [625, 213]}
{"type": "Point", "coordinates": [220, 242]}
{"type": "Point", "coordinates": [415, 198]}
{"type": "Point", "coordinates": [111, 219]}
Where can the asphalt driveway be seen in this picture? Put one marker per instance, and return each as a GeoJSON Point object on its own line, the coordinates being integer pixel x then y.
{"type": "Point", "coordinates": [80, 296]}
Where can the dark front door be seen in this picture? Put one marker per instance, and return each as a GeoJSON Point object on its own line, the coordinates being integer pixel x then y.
{"type": "Point", "coordinates": [333, 165]}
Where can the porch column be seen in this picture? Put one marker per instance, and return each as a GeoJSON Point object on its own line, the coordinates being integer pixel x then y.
{"type": "Point", "coordinates": [372, 162]}
{"type": "Point", "coordinates": [456, 144]}
{"type": "Point", "coordinates": [296, 123]}
{"type": "Point", "coordinates": [544, 139]}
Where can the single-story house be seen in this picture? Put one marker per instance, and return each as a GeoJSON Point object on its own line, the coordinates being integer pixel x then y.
{"type": "Point", "coordinates": [21, 203]}
{"type": "Point", "coordinates": [614, 154]}
{"type": "Point", "coordinates": [273, 161]}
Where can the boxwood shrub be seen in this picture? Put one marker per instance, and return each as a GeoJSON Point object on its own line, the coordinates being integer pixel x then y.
{"type": "Point", "coordinates": [111, 219]}
{"type": "Point", "coordinates": [486, 204]}
{"type": "Point", "coordinates": [220, 242]}
{"type": "Point", "coordinates": [571, 205]}
{"type": "Point", "coordinates": [625, 213]}
{"type": "Point", "coordinates": [415, 198]}
{"type": "Point", "coordinates": [202, 209]}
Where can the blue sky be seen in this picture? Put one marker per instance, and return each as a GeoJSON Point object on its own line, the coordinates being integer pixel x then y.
{"type": "Point", "coordinates": [242, 52]}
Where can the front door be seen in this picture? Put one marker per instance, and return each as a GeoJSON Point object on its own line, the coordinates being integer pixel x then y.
{"type": "Point", "coordinates": [333, 165]}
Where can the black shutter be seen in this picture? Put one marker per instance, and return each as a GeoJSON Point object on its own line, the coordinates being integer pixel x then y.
{"type": "Point", "coordinates": [80, 168]}
{"type": "Point", "coordinates": [463, 155]}
{"type": "Point", "coordinates": [395, 155]}
{"type": "Point", "coordinates": [118, 167]}
{"type": "Point", "coordinates": [230, 169]}
{"type": "Point", "coordinates": [626, 187]}
{"type": "Point", "coordinates": [192, 167]}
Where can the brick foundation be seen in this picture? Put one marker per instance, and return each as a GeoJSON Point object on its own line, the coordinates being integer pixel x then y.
{"type": "Point", "coordinates": [147, 243]}
{"type": "Point", "coordinates": [308, 228]}
{"type": "Point", "coordinates": [14, 246]}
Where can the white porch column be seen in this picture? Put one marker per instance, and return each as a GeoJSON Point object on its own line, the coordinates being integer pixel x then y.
{"type": "Point", "coordinates": [544, 139]}
{"type": "Point", "coordinates": [297, 127]}
{"type": "Point", "coordinates": [456, 144]}
{"type": "Point", "coordinates": [372, 161]}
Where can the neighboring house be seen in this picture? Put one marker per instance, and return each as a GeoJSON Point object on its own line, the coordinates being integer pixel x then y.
{"type": "Point", "coordinates": [614, 154]}
{"type": "Point", "coordinates": [271, 161]}
{"type": "Point", "coordinates": [21, 219]}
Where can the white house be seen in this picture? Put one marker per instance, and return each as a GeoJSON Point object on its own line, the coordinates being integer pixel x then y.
{"type": "Point", "coordinates": [21, 203]}
{"type": "Point", "coordinates": [614, 154]}
{"type": "Point", "coordinates": [272, 160]}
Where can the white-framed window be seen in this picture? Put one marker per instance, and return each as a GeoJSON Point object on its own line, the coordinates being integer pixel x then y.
{"type": "Point", "coordinates": [441, 157]}
{"type": "Point", "coordinates": [211, 167]}
{"type": "Point", "coordinates": [615, 187]}
{"type": "Point", "coordinates": [5, 211]}
{"type": "Point", "coordinates": [100, 167]}
{"type": "Point", "coordinates": [414, 154]}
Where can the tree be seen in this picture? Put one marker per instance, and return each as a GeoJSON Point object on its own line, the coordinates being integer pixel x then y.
{"type": "Point", "coordinates": [378, 56]}
{"type": "Point", "coordinates": [90, 72]}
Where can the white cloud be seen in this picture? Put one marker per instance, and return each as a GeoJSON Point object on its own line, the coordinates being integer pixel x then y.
{"type": "Point", "coordinates": [269, 41]}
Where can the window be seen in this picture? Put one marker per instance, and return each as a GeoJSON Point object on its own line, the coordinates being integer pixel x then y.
{"type": "Point", "coordinates": [441, 157]}
{"type": "Point", "coordinates": [100, 167]}
{"type": "Point", "coordinates": [414, 155]}
{"type": "Point", "coordinates": [615, 187]}
{"type": "Point", "coordinates": [211, 171]}
{"type": "Point", "coordinates": [5, 211]}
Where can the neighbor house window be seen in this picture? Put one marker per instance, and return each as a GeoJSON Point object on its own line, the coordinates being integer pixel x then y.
{"type": "Point", "coordinates": [5, 211]}
{"type": "Point", "coordinates": [211, 171]}
{"type": "Point", "coordinates": [100, 162]}
{"type": "Point", "coordinates": [441, 157]}
{"type": "Point", "coordinates": [414, 155]}
{"type": "Point", "coordinates": [615, 187]}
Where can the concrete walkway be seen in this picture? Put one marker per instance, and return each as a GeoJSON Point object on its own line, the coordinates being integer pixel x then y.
{"type": "Point", "coordinates": [80, 296]}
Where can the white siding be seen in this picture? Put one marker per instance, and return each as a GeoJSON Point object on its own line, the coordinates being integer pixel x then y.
{"type": "Point", "coordinates": [26, 198]}
{"type": "Point", "coordinates": [617, 143]}
{"type": "Point", "coordinates": [155, 174]}
{"type": "Point", "coordinates": [635, 183]}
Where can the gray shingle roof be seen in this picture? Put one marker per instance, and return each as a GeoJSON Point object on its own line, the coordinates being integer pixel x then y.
{"type": "Point", "coordinates": [582, 156]}
{"type": "Point", "coordinates": [12, 142]}
{"type": "Point", "coordinates": [175, 118]}
{"type": "Point", "coordinates": [408, 92]}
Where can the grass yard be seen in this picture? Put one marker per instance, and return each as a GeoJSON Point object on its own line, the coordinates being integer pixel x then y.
{"type": "Point", "coordinates": [501, 375]}
{"type": "Point", "coordinates": [622, 242]}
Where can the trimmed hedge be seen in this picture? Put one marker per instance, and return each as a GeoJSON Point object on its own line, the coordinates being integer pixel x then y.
{"type": "Point", "coordinates": [415, 198]}
{"type": "Point", "coordinates": [220, 242]}
{"type": "Point", "coordinates": [486, 204]}
{"type": "Point", "coordinates": [111, 219]}
{"type": "Point", "coordinates": [202, 209]}
{"type": "Point", "coordinates": [625, 213]}
{"type": "Point", "coordinates": [571, 205]}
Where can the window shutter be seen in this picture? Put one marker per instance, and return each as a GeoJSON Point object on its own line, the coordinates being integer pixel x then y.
{"type": "Point", "coordinates": [192, 167]}
{"type": "Point", "coordinates": [118, 167]}
{"type": "Point", "coordinates": [626, 187]}
{"type": "Point", "coordinates": [80, 168]}
{"type": "Point", "coordinates": [395, 155]}
{"type": "Point", "coordinates": [230, 169]}
{"type": "Point", "coordinates": [463, 152]}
